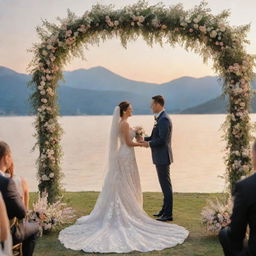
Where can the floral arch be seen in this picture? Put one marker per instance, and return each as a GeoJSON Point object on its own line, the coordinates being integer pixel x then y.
{"type": "Point", "coordinates": [198, 30]}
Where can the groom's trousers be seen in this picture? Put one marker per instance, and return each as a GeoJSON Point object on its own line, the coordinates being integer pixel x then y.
{"type": "Point", "coordinates": [163, 172]}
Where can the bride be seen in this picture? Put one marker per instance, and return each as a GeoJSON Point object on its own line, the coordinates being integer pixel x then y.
{"type": "Point", "coordinates": [118, 222]}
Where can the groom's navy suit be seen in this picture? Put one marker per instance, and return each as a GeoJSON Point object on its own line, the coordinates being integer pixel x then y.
{"type": "Point", "coordinates": [160, 144]}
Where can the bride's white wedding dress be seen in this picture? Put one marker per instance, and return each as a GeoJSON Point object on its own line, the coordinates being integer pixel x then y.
{"type": "Point", "coordinates": [118, 222]}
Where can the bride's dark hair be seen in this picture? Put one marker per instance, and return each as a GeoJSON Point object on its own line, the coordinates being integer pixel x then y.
{"type": "Point", "coordinates": [124, 105]}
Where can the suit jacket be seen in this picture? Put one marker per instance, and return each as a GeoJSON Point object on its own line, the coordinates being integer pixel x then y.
{"type": "Point", "coordinates": [160, 140]}
{"type": "Point", "coordinates": [244, 213]}
{"type": "Point", "coordinates": [12, 199]}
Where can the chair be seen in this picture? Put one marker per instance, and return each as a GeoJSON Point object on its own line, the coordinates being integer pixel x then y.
{"type": "Point", "coordinates": [17, 248]}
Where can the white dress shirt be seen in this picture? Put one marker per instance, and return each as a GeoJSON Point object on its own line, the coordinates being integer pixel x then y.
{"type": "Point", "coordinates": [158, 114]}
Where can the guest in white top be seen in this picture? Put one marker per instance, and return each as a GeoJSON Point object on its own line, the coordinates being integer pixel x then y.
{"type": "Point", "coordinates": [21, 184]}
{"type": "Point", "coordinates": [24, 232]}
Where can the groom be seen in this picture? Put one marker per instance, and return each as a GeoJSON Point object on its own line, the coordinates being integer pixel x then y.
{"type": "Point", "coordinates": [160, 144]}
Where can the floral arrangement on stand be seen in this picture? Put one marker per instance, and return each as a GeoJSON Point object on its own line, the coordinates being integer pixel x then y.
{"type": "Point", "coordinates": [198, 30]}
{"type": "Point", "coordinates": [50, 217]}
{"type": "Point", "coordinates": [216, 214]}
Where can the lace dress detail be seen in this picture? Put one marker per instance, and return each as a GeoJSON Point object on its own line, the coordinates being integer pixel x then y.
{"type": "Point", "coordinates": [118, 222]}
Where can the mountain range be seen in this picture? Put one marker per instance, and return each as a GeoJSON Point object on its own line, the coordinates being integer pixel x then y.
{"type": "Point", "coordinates": [97, 90]}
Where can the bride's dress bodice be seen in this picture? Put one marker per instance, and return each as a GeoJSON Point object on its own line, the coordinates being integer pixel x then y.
{"type": "Point", "coordinates": [124, 148]}
{"type": "Point", "coordinates": [122, 139]}
{"type": "Point", "coordinates": [118, 222]}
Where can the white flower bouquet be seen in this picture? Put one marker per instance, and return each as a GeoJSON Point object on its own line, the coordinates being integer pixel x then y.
{"type": "Point", "coordinates": [139, 131]}
{"type": "Point", "coordinates": [50, 216]}
{"type": "Point", "coordinates": [216, 214]}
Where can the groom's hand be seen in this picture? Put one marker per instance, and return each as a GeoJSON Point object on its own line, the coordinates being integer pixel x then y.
{"type": "Point", "coordinates": [145, 144]}
{"type": "Point", "coordinates": [139, 139]}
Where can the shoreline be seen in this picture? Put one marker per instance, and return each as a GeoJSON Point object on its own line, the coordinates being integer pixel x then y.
{"type": "Point", "coordinates": [95, 115]}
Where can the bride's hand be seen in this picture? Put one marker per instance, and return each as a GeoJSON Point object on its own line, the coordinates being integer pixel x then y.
{"type": "Point", "coordinates": [145, 144]}
{"type": "Point", "coordinates": [139, 139]}
{"type": "Point", "coordinates": [140, 144]}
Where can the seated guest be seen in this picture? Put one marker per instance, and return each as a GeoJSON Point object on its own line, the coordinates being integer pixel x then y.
{"type": "Point", "coordinates": [4, 222]}
{"type": "Point", "coordinates": [5, 237]}
{"type": "Point", "coordinates": [232, 238]}
{"type": "Point", "coordinates": [23, 232]}
{"type": "Point", "coordinates": [21, 184]}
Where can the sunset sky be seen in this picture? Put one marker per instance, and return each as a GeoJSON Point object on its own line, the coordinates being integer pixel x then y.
{"type": "Point", "coordinates": [19, 18]}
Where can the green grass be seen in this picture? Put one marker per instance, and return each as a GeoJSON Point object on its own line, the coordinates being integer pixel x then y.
{"type": "Point", "coordinates": [187, 208]}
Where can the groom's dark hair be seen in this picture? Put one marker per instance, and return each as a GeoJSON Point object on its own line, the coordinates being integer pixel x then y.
{"type": "Point", "coordinates": [158, 99]}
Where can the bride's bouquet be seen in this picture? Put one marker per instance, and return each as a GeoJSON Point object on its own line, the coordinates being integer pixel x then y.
{"type": "Point", "coordinates": [139, 132]}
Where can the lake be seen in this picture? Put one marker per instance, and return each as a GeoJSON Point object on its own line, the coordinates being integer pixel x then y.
{"type": "Point", "coordinates": [198, 151]}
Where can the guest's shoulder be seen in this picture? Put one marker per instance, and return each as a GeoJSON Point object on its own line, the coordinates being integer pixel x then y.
{"type": "Point", "coordinates": [248, 182]}
{"type": "Point", "coordinates": [4, 183]}
{"type": "Point", "coordinates": [4, 180]}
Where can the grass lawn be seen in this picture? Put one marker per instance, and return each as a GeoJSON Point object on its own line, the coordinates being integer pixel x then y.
{"type": "Point", "coordinates": [187, 208]}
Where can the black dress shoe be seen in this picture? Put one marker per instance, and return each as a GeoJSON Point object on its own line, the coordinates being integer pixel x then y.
{"type": "Point", "coordinates": [165, 218]}
{"type": "Point", "coordinates": [158, 214]}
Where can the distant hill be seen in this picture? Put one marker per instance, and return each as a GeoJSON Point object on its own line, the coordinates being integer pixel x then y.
{"type": "Point", "coordinates": [180, 93]}
{"type": "Point", "coordinates": [217, 105]}
{"type": "Point", "coordinates": [96, 91]}
{"type": "Point", "coordinates": [13, 93]}
{"type": "Point", "coordinates": [89, 102]}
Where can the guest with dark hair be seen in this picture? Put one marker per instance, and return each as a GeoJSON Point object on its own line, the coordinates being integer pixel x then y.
{"type": "Point", "coordinates": [232, 238]}
{"type": "Point", "coordinates": [23, 231]}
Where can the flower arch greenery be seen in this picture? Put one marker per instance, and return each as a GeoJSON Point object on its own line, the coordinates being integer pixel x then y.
{"type": "Point", "coordinates": [198, 30]}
